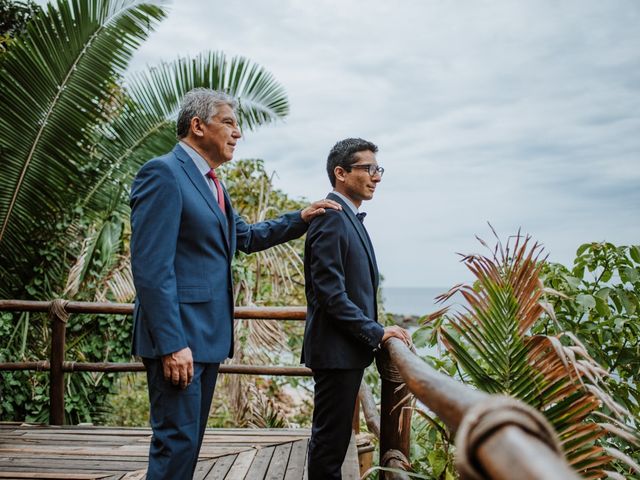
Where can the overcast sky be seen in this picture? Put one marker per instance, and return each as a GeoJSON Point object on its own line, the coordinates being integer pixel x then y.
{"type": "Point", "coordinates": [521, 113]}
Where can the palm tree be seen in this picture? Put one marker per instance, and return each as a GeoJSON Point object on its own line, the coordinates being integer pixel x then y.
{"type": "Point", "coordinates": [491, 342]}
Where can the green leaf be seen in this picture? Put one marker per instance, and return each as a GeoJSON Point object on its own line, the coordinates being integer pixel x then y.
{"type": "Point", "coordinates": [438, 462]}
{"type": "Point", "coordinates": [582, 248]}
{"type": "Point", "coordinates": [619, 324]}
{"type": "Point", "coordinates": [634, 251]}
{"type": "Point", "coordinates": [602, 307]}
{"type": "Point", "coordinates": [420, 337]}
{"type": "Point", "coordinates": [627, 302]}
{"type": "Point", "coordinates": [629, 274]}
{"type": "Point", "coordinates": [586, 301]}
{"type": "Point", "coordinates": [606, 276]}
{"type": "Point", "coordinates": [603, 293]}
{"type": "Point", "coordinates": [573, 282]}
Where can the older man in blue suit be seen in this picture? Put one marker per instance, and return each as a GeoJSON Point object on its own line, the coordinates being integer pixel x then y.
{"type": "Point", "coordinates": [342, 330]}
{"type": "Point", "coordinates": [184, 235]}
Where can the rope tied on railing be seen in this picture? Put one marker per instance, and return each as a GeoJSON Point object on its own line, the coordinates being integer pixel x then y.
{"type": "Point", "coordinates": [58, 310]}
{"type": "Point", "coordinates": [485, 418]}
{"type": "Point", "coordinates": [397, 460]}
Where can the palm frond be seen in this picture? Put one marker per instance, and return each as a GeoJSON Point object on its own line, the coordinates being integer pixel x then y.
{"type": "Point", "coordinates": [54, 80]}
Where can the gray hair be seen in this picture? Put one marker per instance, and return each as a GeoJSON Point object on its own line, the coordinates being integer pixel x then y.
{"type": "Point", "coordinates": [202, 103]}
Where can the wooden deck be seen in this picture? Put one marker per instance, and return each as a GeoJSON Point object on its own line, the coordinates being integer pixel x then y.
{"type": "Point", "coordinates": [47, 452]}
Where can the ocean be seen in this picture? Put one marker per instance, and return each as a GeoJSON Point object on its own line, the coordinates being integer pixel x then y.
{"type": "Point", "coordinates": [415, 301]}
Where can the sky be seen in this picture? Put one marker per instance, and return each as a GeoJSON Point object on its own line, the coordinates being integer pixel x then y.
{"type": "Point", "coordinates": [523, 114]}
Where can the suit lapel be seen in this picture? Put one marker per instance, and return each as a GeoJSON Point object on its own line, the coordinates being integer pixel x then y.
{"type": "Point", "coordinates": [230, 221]}
{"type": "Point", "coordinates": [201, 185]}
{"type": "Point", "coordinates": [362, 233]}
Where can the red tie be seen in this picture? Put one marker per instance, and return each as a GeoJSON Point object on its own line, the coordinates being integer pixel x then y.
{"type": "Point", "coordinates": [212, 176]}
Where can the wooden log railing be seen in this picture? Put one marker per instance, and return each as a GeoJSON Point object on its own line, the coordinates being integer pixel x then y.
{"type": "Point", "coordinates": [497, 438]}
{"type": "Point", "coordinates": [59, 312]}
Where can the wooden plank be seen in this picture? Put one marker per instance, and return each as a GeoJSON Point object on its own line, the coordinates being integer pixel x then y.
{"type": "Point", "coordinates": [87, 453]}
{"type": "Point", "coordinates": [44, 449]}
{"type": "Point", "coordinates": [221, 468]}
{"type": "Point", "coordinates": [253, 439]}
{"type": "Point", "coordinates": [76, 437]}
{"type": "Point", "coordinates": [31, 472]}
{"type": "Point", "coordinates": [202, 468]}
{"type": "Point", "coordinates": [297, 460]}
{"type": "Point", "coordinates": [137, 475]}
{"type": "Point", "coordinates": [81, 463]}
{"type": "Point", "coordinates": [55, 476]}
{"type": "Point", "coordinates": [259, 431]}
{"type": "Point", "coordinates": [241, 465]}
{"type": "Point", "coordinates": [278, 465]}
{"type": "Point", "coordinates": [305, 470]}
{"type": "Point", "coordinates": [260, 463]}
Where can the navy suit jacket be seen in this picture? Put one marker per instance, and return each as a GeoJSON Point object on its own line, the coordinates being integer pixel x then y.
{"type": "Point", "coordinates": [181, 251]}
{"type": "Point", "coordinates": [341, 276]}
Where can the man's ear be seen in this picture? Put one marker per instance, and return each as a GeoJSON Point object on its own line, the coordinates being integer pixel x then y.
{"type": "Point", "coordinates": [339, 172]}
{"type": "Point", "coordinates": [196, 127]}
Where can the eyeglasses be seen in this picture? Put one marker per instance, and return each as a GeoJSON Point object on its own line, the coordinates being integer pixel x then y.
{"type": "Point", "coordinates": [370, 167]}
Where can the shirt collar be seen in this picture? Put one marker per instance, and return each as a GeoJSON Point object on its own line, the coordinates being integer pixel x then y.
{"type": "Point", "coordinates": [349, 203]}
{"type": "Point", "coordinates": [200, 162]}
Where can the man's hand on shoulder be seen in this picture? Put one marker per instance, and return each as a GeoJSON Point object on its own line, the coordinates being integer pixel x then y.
{"type": "Point", "coordinates": [318, 208]}
{"type": "Point", "coordinates": [397, 332]}
{"type": "Point", "coordinates": [178, 367]}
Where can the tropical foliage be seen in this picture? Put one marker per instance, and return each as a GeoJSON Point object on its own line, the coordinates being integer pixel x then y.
{"type": "Point", "coordinates": [495, 347]}
{"type": "Point", "coordinates": [14, 17]}
{"type": "Point", "coordinates": [72, 134]}
{"type": "Point", "coordinates": [600, 303]}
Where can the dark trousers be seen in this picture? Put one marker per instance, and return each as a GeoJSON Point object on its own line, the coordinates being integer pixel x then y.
{"type": "Point", "coordinates": [335, 395]}
{"type": "Point", "coordinates": [178, 420]}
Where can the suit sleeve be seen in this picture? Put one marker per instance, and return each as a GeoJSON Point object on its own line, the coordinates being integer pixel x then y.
{"type": "Point", "coordinates": [156, 205]}
{"type": "Point", "coordinates": [260, 236]}
{"type": "Point", "coordinates": [327, 248]}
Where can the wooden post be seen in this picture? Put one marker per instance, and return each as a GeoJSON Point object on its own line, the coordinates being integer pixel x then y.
{"type": "Point", "coordinates": [395, 426]}
{"type": "Point", "coordinates": [58, 317]}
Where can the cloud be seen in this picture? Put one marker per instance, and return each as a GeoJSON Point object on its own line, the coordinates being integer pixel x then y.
{"type": "Point", "coordinates": [525, 114]}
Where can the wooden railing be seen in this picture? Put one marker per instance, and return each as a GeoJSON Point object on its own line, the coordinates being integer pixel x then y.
{"type": "Point", "coordinates": [497, 437]}
{"type": "Point", "coordinates": [59, 312]}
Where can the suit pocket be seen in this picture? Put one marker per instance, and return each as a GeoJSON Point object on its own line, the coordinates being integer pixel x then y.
{"type": "Point", "coordinates": [194, 294]}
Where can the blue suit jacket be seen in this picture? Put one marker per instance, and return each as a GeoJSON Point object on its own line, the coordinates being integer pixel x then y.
{"type": "Point", "coordinates": [181, 251]}
{"type": "Point", "coordinates": [341, 277]}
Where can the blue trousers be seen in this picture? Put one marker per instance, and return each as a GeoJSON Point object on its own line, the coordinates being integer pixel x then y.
{"type": "Point", "coordinates": [178, 419]}
{"type": "Point", "coordinates": [335, 394]}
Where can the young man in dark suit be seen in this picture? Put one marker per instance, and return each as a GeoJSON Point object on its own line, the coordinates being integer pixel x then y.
{"type": "Point", "coordinates": [342, 330]}
{"type": "Point", "coordinates": [184, 235]}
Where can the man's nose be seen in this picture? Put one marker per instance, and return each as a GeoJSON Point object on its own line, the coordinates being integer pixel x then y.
{"type": "Point", "coordinates": [236, 133]}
